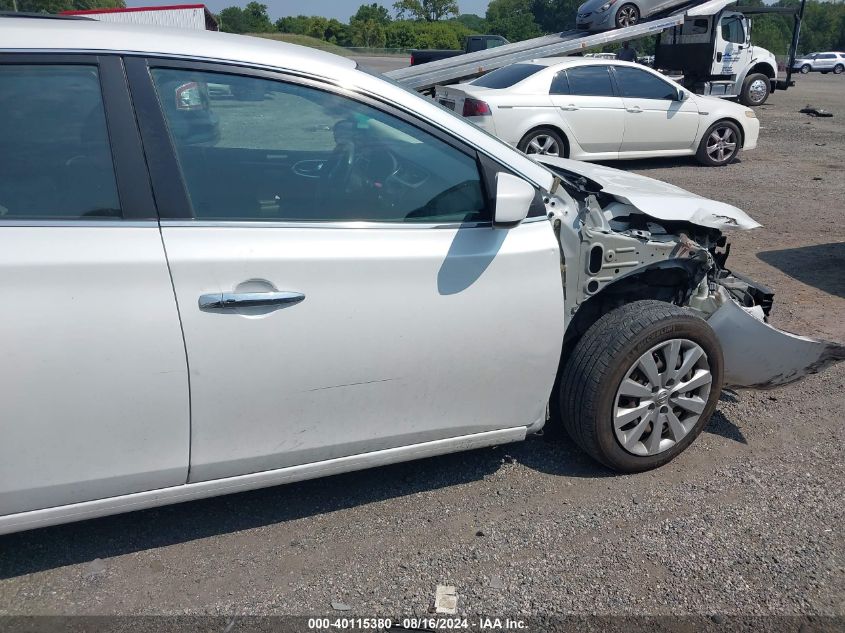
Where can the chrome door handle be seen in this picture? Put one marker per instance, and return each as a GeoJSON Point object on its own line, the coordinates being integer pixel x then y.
{"type": "Point", "coordinates": [634, 110]}
{"type": "Point", "coordinates": [230, 300]}
{"type": "Point", "coordinates": [569, 108]}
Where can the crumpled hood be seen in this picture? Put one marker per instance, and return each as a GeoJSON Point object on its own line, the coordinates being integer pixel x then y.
{"type": "Point", "coordinates": [658, 199]}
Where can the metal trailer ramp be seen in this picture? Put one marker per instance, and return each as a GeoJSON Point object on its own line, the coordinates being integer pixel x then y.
{"type": "Point", "coordinates": [444, 71]}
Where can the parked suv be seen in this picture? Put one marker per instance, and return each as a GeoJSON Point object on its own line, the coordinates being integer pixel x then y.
{"type": "Point", "coordinates": [229, 263]}
{"type": "Point", "coordinates": [821, 62]}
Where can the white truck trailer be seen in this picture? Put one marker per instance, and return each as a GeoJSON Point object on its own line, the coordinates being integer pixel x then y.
{"type": "Point", "coordinates": [183, 16]}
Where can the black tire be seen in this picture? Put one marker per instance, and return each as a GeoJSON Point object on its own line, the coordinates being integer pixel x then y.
{"type": "Point", "coordinates": [805, 69]}
{"type": "Point", "coordinates": [704, 156]}
{"type": "Point", "coordinates": [603, 357]}
{"type": "Point", "coordinates": [838, 69]}
{"type": "Point", "coordinates": [627, 15]}
{"type": "Point", "coordinates": [751, 95]}
{"type": "Point", "coordinates": [548, 132]}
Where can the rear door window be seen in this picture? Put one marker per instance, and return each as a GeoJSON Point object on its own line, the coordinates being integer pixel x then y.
{"type": "Point", "coordinates": [641, 84]}
{"type": "Point", "coordinates": [55, 155]}
{"type": "Point", "coordinates": [591, 81]}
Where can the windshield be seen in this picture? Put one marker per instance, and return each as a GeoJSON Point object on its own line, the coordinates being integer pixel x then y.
{"type": "Point", "coordinates": [507, 76]}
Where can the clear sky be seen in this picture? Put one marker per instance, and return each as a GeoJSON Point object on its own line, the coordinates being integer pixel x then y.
{"type": "Point", "coordinates": [340, 9]}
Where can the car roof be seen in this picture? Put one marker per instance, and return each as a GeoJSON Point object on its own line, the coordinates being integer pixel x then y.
{"type": "Point", "coordinates": [96, 36]}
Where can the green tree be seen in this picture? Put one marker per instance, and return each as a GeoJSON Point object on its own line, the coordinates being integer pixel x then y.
{"type": "Point", "coordinates": [428, 10]}
{"type": "Point", "coordinates": [257, 20]}
{"type": "Point", "coordinates": [368, 33]}
{"type": "Point", "coordinates": [473, 22]}
{"type": "Point", "coordinates": [555, 15]}
{"type": "Point", "coordinates": [512, 19]}
{"type": "Point", "coordinates": [57, 6]}
{"type": "Point", "coordinates": [374, 12]}
{"type": "Point", "coordinates": [232, 20]}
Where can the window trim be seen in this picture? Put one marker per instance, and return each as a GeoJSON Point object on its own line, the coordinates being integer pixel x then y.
{"type": "Point", "coordinates": [130, 169]}
{"type": "Point", "coordinates": [169, 185]}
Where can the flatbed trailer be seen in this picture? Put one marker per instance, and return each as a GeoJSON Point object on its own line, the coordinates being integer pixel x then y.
{"type": "Point", "coordinates": [727, 80]}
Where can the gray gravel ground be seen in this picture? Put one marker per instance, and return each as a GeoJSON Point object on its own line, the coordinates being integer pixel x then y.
{"type": "Point", "coordinates": [747, 522]}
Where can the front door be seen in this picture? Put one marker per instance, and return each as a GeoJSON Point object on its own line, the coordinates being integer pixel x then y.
{"type": "Point", "coordinates": [656, 120]}
{"type": "Point", "coordinates": [92, 361]}
{"type": "Point", "coordinates": [355, 302]}
{"type": "Point", "coordinates": [732, 47]}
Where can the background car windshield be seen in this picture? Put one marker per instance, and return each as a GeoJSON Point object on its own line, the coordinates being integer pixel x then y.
{"type": "Point", "coordinates": [507, 76]}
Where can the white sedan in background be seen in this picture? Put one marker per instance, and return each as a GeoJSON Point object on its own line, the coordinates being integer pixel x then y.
{"type": "Point", "coordinates": [596, 109]}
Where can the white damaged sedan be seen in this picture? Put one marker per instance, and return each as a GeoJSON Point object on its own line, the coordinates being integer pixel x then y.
{"type": "Point", "coordinates": [232, 263]}
{"type": "Point", "coordinates": [596, 109]}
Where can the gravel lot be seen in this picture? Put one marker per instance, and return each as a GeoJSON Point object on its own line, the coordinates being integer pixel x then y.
{"type": "Point", "coordinates": [749, 521]}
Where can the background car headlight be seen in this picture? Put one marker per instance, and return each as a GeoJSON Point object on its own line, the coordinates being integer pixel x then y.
{"type": "Point", "coordinates": [607, 5]}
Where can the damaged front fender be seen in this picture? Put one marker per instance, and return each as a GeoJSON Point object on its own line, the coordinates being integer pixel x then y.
{"type": "Point", "coordinates": [760, 356]}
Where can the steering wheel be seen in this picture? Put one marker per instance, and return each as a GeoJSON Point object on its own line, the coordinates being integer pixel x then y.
{"type": "Point", "coordinates": [340, 165]}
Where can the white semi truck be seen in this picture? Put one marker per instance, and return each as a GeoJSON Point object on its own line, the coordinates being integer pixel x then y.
{"type": "Point", "coordinates": [709, 44]}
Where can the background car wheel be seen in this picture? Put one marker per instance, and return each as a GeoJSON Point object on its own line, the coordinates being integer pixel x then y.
{"type": "Point", "coordinates": [755, 90]}
{"type": "Point", "coordinates": [627, 15]}
{"type": "Point", "coordinates": [640, 385]}
{"type": "Point", "coordinates": [719, 145]}
{"type": "Point", "coordinates": [838, 69]}
{"type": "Point", "coordinates": [805, 69]}
{"type": "Point", "coordinates": [544, 141]}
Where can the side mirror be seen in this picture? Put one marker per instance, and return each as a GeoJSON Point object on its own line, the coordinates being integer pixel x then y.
{"type": "Point", "coordinates": [513, 199]}
{"type": "Point", "coordinates": [682, 95]}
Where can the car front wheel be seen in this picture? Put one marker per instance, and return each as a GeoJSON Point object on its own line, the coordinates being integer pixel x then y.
{"type": "Point", "coordinates": [628, 15]}
{"type": "Point", "coordinates": [720, 144]}
{"type": "Point", "coordinates": [755, 90]}
{"type": "Point", "coordinates": [640, 385]}
{"type": "Point", "coordinates": [805, 69]}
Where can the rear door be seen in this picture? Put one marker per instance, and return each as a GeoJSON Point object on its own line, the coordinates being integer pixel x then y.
{"type": "Point", "coordinates": [590, 107]}
{"type": "Point", "coordinates": [655, 119]}
{"type": "Point", "coordinates": [378, 309]}
{"type": "Point", "coordinates": [92, 362]}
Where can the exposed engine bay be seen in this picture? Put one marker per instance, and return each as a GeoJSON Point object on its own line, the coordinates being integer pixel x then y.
{"type": "Point", "coordinates": [634, 239]}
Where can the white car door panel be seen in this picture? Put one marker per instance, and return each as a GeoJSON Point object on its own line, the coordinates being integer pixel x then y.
{"type": "Point", "coordinates": [404, 336]}
{"type": "Point", "coordinates": [421, 324]}
{"type": "Point", "coordinates": [655, 120]}
{"type": "Point", "coordinates": [92, 360]}
{"type": "Point", "coordinates": [590, 109]}
{"type": "Point", "coordinates": [93, 372]}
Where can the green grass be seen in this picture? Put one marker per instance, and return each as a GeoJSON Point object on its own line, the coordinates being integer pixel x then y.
{"type": "Point", "coordinates": [303, 40]}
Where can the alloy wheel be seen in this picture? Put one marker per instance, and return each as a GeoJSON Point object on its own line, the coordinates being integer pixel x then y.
{"type": "Point", "coordinates": [722, 144]}
{"type": "Point", "coordinates": [543, 144]}
{"type": "Point", "coordinates": [662, 396]}
{"type": "Point", "coordinates": [628, 16]}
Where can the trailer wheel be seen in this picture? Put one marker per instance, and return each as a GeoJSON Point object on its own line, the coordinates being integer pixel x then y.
{"type": "Point", "coordinates": [805, 69]}
{"type": "Point", "coordinates": [837, 70]}
{"type": "Point", "coordinates": [755, 90]}
{"type": "Point", "coordinates": [640, 385]}
{"type": "Point", "coordinates": [719, 145]}
{"type": "Point", "coordinates": [627, 15]}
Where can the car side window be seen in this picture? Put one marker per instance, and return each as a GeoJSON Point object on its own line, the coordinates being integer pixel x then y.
{"type": "Point", "coordinates": [593, 81]}
{"type": "Point", "coordinates": [641, 84]}
{"type": "Point", "coordinates": [55, 157]}
{"type": "Point", "coordinates": [732, 30]}
{"type": "Point", "coordinates": [254, 149]}
{"type": "Point", "coordinates": [560, 84]}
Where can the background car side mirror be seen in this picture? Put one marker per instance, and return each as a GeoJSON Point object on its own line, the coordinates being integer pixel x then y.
{"type": "Point", "coordinates": [514, 197]}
